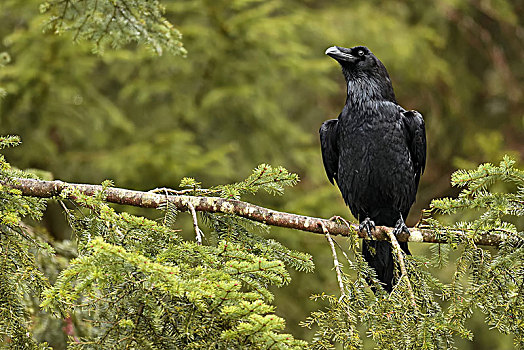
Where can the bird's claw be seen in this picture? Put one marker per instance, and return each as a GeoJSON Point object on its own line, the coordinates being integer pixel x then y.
{"type": "Point", "coordinates": [367, 225]}
{"type": "Point", "coordinates": [400, 227]}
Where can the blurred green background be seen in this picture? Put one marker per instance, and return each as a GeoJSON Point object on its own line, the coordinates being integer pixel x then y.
{"type": "Point", "coordinates": [254, 88]}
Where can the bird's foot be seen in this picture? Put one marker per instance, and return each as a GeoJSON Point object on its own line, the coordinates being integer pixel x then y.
{"type": "Point", "coordinates": [400, 227]}
{"type": "Point", "coordinates": [367, 225]}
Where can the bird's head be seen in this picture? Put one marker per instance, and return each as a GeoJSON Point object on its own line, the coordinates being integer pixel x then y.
{"type": "Point", "coordinates": [360, 65]}
{"type": "Point", "coordinates": [357, 59]}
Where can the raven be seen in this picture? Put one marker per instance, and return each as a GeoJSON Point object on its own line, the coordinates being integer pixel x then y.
{"type": "Point", "coordinates": [376, 153]}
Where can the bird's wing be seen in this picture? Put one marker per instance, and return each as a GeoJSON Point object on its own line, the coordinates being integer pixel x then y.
{"type": "Point", "coordinates": [416, 137]}
{"type": "Point", "coordinates": [328, 143]}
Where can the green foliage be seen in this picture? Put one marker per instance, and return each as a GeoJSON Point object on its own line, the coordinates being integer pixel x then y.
{"type": "Point", "coordinates": [489, 280]}
{"type": "Point", "coordinates": [264, 177]}
{"type": "Point", "coordinates": [137, 283]}
{"type": "Point", "coordinates": [114, 23]}
{"type": "Point", "coordinates": [494, 278]}
{"type": "Point", "coordinates": [498, 212]}
{"type": "Point", "coordinates": [21, 279]}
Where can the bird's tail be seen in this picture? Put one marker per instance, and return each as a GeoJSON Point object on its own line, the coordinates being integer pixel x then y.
{"type": "Point", "coordinates": [378, 255]}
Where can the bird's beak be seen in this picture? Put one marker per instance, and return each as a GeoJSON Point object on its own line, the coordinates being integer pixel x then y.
{"type": "Point", "coordinates": [338, 54]}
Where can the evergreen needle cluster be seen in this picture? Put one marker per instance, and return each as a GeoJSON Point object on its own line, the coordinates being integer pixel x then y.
{"type": "Point", "coordinates": [21, 279]}
{"type": "Point", "coordinates": [114, 23]}
{"type": "Point", "coordinates": [137, 282]}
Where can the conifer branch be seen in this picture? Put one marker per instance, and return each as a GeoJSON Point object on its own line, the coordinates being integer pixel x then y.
{"type": "Point", "coordinates": [49, 189]}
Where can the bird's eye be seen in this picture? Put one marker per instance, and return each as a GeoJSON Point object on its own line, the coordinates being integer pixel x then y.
{"type": "Point", "coordinates": [360, 53]}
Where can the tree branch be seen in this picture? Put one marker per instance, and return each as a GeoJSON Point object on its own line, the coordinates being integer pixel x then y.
{"type": "Point", "coordinates": [198, 232]}
{"type": "Point", "coordinates": [49, 189]}
{"type": "Point", "coordinates": [403, 271]}
{"type": "Point", "coordinates": [336, 264]}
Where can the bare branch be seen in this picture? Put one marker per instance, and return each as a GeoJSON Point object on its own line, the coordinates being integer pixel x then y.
{"type": "Point", "coordinates": [198, 232]}
{"type": "Point", "coordinates": [335, 261]}
{"type": "Point", "coordinates": [49, 189]}
{"type": "Point", "coordinates": [403, 271]}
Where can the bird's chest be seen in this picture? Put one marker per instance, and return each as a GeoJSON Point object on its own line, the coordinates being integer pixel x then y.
{"type": "Point", "coordinates": [372, 144]}
{"type": "Point", "coordinates": [374, 157]}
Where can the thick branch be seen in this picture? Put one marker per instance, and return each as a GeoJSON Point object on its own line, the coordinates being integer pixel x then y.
{"type": "Point", "coordinates": [49, 189]}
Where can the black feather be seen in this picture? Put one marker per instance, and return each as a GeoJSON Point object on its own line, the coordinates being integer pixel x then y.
{"type": "Point", "coordinates": [328, 142]}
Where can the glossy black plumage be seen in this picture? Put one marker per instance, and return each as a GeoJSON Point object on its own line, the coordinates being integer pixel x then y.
{"type": "Point", "coordinates": [375, 151]}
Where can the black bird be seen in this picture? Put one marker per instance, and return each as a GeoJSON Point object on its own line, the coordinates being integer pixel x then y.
{"type": "Point", "coordinates": [375, 151]}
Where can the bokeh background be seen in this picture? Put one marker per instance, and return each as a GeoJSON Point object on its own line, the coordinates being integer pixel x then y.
{"type": "Point", "coordinates": [254, 88]}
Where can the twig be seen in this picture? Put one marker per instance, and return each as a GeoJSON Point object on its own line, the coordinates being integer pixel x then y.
{"type": "Point", "coordinates": [168, 191]}
{"type": "Point", "coordinates": [131, 337]}
{"type": "Point", "coordinates": [348, 225]}
{"type": "Point", "coordinates": [403, 271]}
{"type": "Point", "coordinates": [69, 329]}
{"type": "Point", "coordinates": [335, 261]}
{"type": "Point", "coordinates": [198, 232]}
{"type": "Point", "coordinates": [49, 189]}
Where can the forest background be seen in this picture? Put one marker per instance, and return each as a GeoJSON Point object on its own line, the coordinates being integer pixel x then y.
{"type": "Point", "coordinates": [254, 88]}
